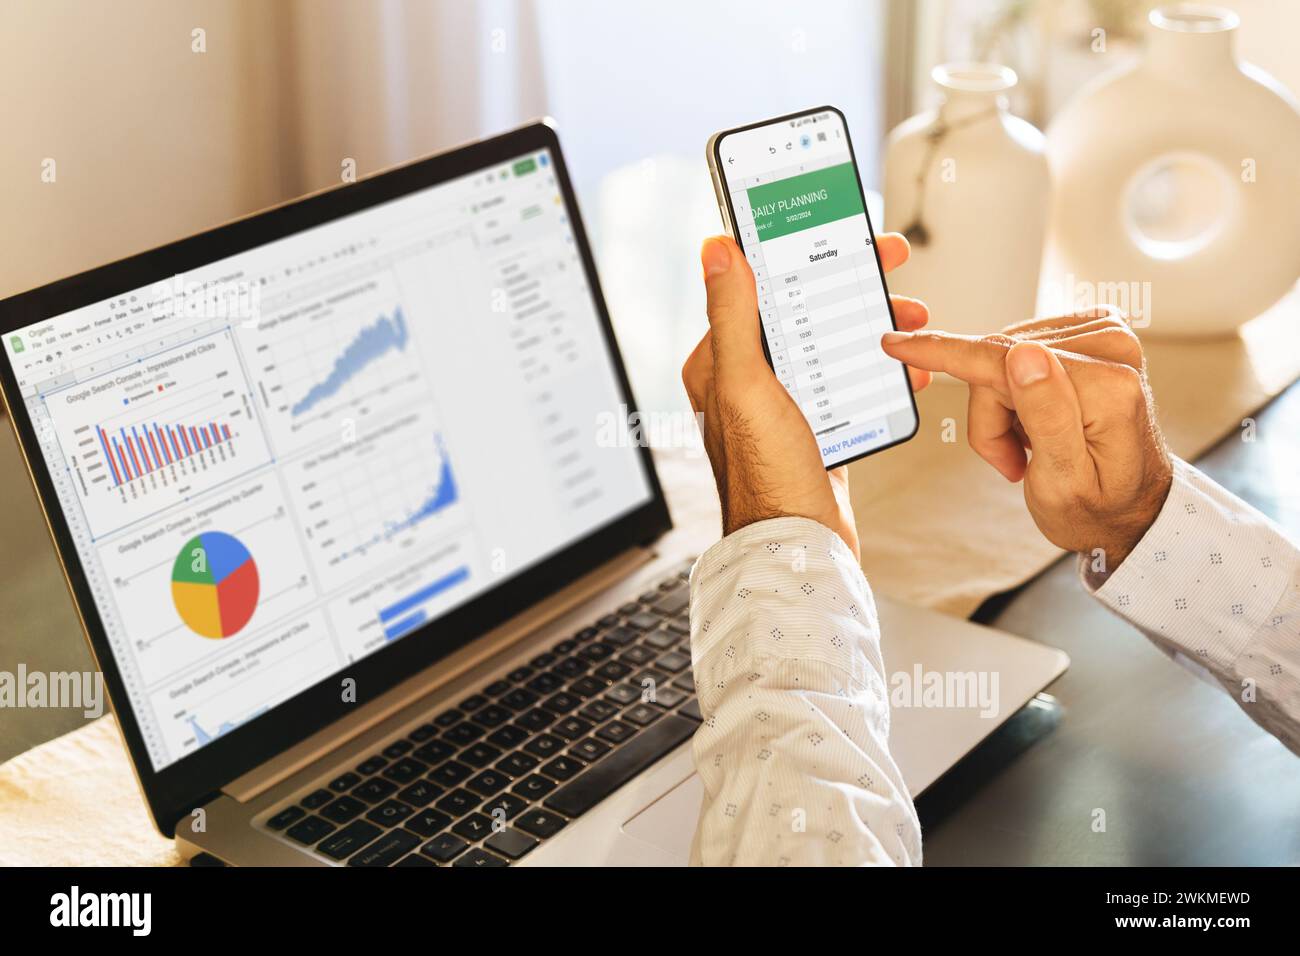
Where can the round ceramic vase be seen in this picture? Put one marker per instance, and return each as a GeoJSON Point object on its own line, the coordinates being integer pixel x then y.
{"type": "Point", "coordinates": [1177, 182]}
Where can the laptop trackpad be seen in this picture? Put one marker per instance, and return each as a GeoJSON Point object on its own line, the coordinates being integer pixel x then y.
{"type": "Point", "coordinates": [669, 822]}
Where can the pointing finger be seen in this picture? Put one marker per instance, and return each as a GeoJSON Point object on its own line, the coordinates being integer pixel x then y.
{"type": "Point", "coordinates": [978, 361]}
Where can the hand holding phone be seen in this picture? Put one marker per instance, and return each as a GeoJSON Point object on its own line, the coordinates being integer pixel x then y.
{"type": "Point", "coordinates": [790, 195]}
{"type": "Point", "coordinates": [765, 460]}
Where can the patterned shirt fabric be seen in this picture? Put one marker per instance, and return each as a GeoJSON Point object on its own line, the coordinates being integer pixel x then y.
{"type": "Point", "coordinates": [1215, 583]}
{"type": "Point", "coordinates": [793, 751]}
{"type": "Point", "coordinates": [794, 748]}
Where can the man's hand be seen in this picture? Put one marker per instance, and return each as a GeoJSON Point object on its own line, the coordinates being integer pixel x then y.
{"type": "Point", "coordinates": [765, 459]}
{"type": "Point", "coordinates": [1074, 391]}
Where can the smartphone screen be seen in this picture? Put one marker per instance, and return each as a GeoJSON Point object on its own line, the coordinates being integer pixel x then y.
{"type": "Point", "coordinates": [791, 190]}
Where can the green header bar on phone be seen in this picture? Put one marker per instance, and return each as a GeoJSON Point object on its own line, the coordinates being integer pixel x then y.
{"type": "Point", "coordinates": [804, 201]}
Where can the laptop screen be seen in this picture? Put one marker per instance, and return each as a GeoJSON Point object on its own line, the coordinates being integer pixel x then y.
{"type": "Point", "coordinates": [287, 460]}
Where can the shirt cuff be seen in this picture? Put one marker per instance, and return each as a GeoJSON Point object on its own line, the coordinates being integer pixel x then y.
{"type": "Point", "coordinates": [1203, 578]}
{"type": "Point", "coordinates": [784, 588]}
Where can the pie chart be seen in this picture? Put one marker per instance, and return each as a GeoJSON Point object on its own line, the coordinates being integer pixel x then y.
{"type": "Point", "coordinates": [215, 584]}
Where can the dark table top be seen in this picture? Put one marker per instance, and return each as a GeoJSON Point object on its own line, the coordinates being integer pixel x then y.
{"type": "Point", "coordinates": [1182, 774]}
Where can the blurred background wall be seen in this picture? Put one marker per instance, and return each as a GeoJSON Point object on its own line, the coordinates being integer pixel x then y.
{"type": "Point", "coordinates": [148, 139]}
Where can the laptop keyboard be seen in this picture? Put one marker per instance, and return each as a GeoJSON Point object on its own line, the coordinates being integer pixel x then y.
{"type": "Point", "coordinates": [486, 781]}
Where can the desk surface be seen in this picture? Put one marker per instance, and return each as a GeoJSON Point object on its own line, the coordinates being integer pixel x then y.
{"type": "Point", "coordinates": [1184, 777]}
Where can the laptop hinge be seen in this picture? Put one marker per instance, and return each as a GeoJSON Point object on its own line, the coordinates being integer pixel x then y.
{"type": "Point", "coordinates": [281, 767]}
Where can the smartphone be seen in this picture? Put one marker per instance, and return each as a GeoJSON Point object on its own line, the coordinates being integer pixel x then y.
{"type": "Point", "coordinates": [789, 193]}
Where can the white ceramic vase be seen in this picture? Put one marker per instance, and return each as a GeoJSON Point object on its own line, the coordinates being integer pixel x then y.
{"type": "Point", "coordinates": [968, 184]}
{"type": "Point", "coordinates": [1177, 182]}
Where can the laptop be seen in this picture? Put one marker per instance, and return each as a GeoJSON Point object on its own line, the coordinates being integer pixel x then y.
{"type": "Point", "coordinates": [370, 576]}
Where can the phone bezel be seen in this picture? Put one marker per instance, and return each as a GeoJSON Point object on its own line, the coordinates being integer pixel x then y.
{"type": "Point", "coordinates": [724, 203]}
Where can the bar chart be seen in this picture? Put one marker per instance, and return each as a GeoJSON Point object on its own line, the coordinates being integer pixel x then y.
{"type": "Point", "coordinates": [149, 435]}
{"type": "Point", "coordinates": [151, 446]}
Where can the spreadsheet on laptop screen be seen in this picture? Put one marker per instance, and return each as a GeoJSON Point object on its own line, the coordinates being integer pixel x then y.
{"type": "Point", "coordinates": [282, 462]}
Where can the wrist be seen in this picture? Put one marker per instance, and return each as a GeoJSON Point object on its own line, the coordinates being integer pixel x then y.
{"type": "Point", "coordinates": [738, 518]}
{"type": "Point", "coordinates": [1125, 531]}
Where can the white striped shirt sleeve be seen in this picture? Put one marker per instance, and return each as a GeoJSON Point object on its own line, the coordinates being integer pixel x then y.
{"type": "Point", "coordinates": [794, 748]}
{"type": "Point", "coordinates": [1213, 582]}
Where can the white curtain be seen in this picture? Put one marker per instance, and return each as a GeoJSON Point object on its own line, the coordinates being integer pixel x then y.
{"type": "Point", "coordinates": [383, 81]}
{"type": "Point", "coordinates": [127, 125]}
